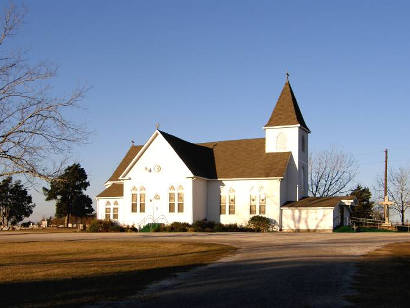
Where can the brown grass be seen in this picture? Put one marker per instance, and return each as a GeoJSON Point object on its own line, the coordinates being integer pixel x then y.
{"type": "Point", "coordinates": [383, 278]}
{"type": "Point", "coordinates": [70, 273]}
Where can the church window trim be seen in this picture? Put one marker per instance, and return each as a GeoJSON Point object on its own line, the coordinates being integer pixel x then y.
{"type": "Point", "coordinates": [252, 204]}
{"type": "Point", "coordinates": [262, 203]}
{"type": "Point", "coordinates": [222, 204]}
{"type": "Point", "coordinates": [231, 200]}
{"type": "Point", "coordinates": [180, 199]}
{"type": "Point", "coordinates": [115, 211]}
{"type": "Point", "coordinates": [171, 199]}
{"type": "Point", "coordinates": [107, 210]}
{"type": "Point", "coordinates": [141, 198]}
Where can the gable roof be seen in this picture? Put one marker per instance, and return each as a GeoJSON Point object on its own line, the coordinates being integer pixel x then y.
{"type": "Point", "coordinates": [199, 159]}
{"type": "Point", "coordinates": [286, 111]}
{"type": "Point", "coordinates": [245, 158]}
{"type": "Point", "coordinates": [132, 152]}
{"type": "Point", "coordinates": [114, 190]}
{"type": "Point", "coordinates": [318, 202]}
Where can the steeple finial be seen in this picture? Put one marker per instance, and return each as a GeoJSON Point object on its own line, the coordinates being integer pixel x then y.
{"type": "Point", "coordinates": [287, 76]}
{"type": "Point", "coordinates": [132, 142]}
{"type": "Point", "coordinates": [157, 126]}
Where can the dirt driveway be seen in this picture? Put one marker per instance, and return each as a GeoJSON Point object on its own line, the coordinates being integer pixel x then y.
{"type": "Point", "coordinates": [275, 269]}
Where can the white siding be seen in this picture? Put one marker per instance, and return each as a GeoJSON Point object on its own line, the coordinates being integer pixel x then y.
{"type": "Point", "coordinates": [200, 199]}
{"type": "Point", "coordinates": [307, 219]}
{"type": "Point", "coordinates": [243, 189]}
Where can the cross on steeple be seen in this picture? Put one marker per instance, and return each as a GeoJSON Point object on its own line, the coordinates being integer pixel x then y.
{"type": "Point", "coordinates": [157, 126]}
{"type": "Point", "coordinates": [287, 76]}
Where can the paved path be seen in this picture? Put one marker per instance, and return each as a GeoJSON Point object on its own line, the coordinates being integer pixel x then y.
{"type": "Point", "coordinates": [275, 269]}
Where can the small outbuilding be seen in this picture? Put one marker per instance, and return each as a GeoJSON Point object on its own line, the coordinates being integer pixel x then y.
{"type": "Point", "coordinates": [317, 213]}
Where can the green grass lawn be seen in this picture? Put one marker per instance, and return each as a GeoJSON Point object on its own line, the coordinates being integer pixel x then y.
{"type": "Point", "coordinates": [69, 273]}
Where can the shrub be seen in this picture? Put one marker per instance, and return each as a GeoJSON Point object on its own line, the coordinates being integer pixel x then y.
{"type": "Point", "coordinates": [203, 226]}
{"type": "Point", "coordinates": [152, 227]}
{"type": "Point", "coordinates": [178, 227]}
{"type": "Point", "coordinates": [344, 229]}
{"type": "Point", "coordinates": [104, 226]}
{"type": "Point", "coordinates": [260, 223]}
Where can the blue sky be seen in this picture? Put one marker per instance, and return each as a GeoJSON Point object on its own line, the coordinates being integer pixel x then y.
{"type": "Point", "coordinates": [212, 70]}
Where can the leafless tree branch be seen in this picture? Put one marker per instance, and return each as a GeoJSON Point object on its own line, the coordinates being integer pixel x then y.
{"type": "Point", "coordinates": [33, 125]}
{"type": "Point", "coordinates": [330, 172]}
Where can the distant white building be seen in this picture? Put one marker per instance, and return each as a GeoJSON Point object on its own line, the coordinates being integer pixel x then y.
{"type": "Point", "coordinates": [169, 179]}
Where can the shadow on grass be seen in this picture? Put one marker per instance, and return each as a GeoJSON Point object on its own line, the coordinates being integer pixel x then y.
{"type": "Point", "coordinates": [77, 291]}
{"type": "Point", "coordinates": [383, 278]}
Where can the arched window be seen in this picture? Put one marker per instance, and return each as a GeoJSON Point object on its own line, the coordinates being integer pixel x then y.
{"type": "Point", "coordinates": [252, 202]}
{"type": "Point", "coordinates": [115, 210]}
{"type": "Point", "coordinates": [231, 201]}
{"type": "Point", "coordinates": [180, 199]}
{"type": "Point", "coordinates": [171, 197]}
{"type": "Point", "coordinates": [262, 204]}
{"type": "Point", "coordinates": [108, 210]}
{"type": "Point", "coordinates": [223, 203]}
{"type": "Point", "coordinates": [281, 143]}
{"type": "Point", "coordinates": [142, 199]}
{"type": "Point", "coordinates": [134, 201]}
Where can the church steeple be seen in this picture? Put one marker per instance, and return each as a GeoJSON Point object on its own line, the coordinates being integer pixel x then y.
{"type": "Point", "coordinates": [286, 111]}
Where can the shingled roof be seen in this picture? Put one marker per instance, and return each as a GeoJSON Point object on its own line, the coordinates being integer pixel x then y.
{"type": "Point", "coordinates": [245, 158]}
{"type": "Point", "coordinates": [286, 111]}
{"type": "Point", "coordinates": [114, 190]}
{"type": "Point", "coordinates": [318, 202]}
{"type": "Point", "coordinates": [132, 152]}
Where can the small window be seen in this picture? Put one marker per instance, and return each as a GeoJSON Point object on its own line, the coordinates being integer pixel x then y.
{"type": "Point", "coordinates": [107, 212]}
{"type": "Point", "coordinates": [303, 143]}
{"type": "Point", "coordinates": [232, 203]}
{"type": "Point", "coordinates": [134, 203]}
{"type": "Point", "coordinates": [142, 200]}
{"type": "Point", "coordinates": [180, 199]}
{"type": "Point", "coordinates": [262, 204]}
{"type": "Point", "coordinates": [115, 213]}
{"type": "Point", "coordinates": [223, 204]}
{"type": "Point", "coordinates": [252, 204]}
{"type": "Point", "coordinates": [171, 197]}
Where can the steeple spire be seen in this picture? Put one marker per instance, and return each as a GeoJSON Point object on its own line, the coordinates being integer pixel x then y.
{"type": "Point", "coordinates": [286, 111]}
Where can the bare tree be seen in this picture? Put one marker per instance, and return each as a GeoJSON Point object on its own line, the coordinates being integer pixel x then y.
{"type": "Point", "coordinates": [398, 189]}
{"type": "Point", "coordinates": [33, 127]}
{"type": "Point", "coordinates": [330, 172]}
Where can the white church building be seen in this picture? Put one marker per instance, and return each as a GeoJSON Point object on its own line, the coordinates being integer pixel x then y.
{"type": "Point", "coordinates": [168, 179]}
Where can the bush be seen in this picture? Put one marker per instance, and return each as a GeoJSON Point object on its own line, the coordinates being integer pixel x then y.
{"type": "Point", "coordinates": [260, 223]}
{"type": "Point", "coordinates": [152, 227]}
{"type": "Point", "coordinates": [203, 226]}
{"type": "Point", "coordinates": [104, 226]}
{"type": "Point", "coordinates": [178, 227]}
{"type": "Point", "coordinates": [344, 229]}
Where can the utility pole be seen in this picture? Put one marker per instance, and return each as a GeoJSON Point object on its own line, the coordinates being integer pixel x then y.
{"type": "Point", "coordinates": [386, 201]}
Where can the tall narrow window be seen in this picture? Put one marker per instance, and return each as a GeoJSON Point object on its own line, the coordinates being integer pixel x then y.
{"type": "Point", "coordinates": [262, 204]}
{"type": "Point", "coordinates": [171, 197]}
{"type": "Point", "coordinates": [231, 202]}
{"type": "Point", "coordinates": [134, 202]}
{"type": "Point", "coordinates": [108, 210]}
{"type": "Point", "coordinates": [142, 199]}
{"type": "Point", "coordinates": [223, 204]}
{"type": "Point", "coordinates": [303, 143]}
{"type": "Point", "coordinates": [115, 210]}
{"type": "Point", "coordinates": [180, 199]}
{"type": "Point", "coordinates": [252, 205]}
